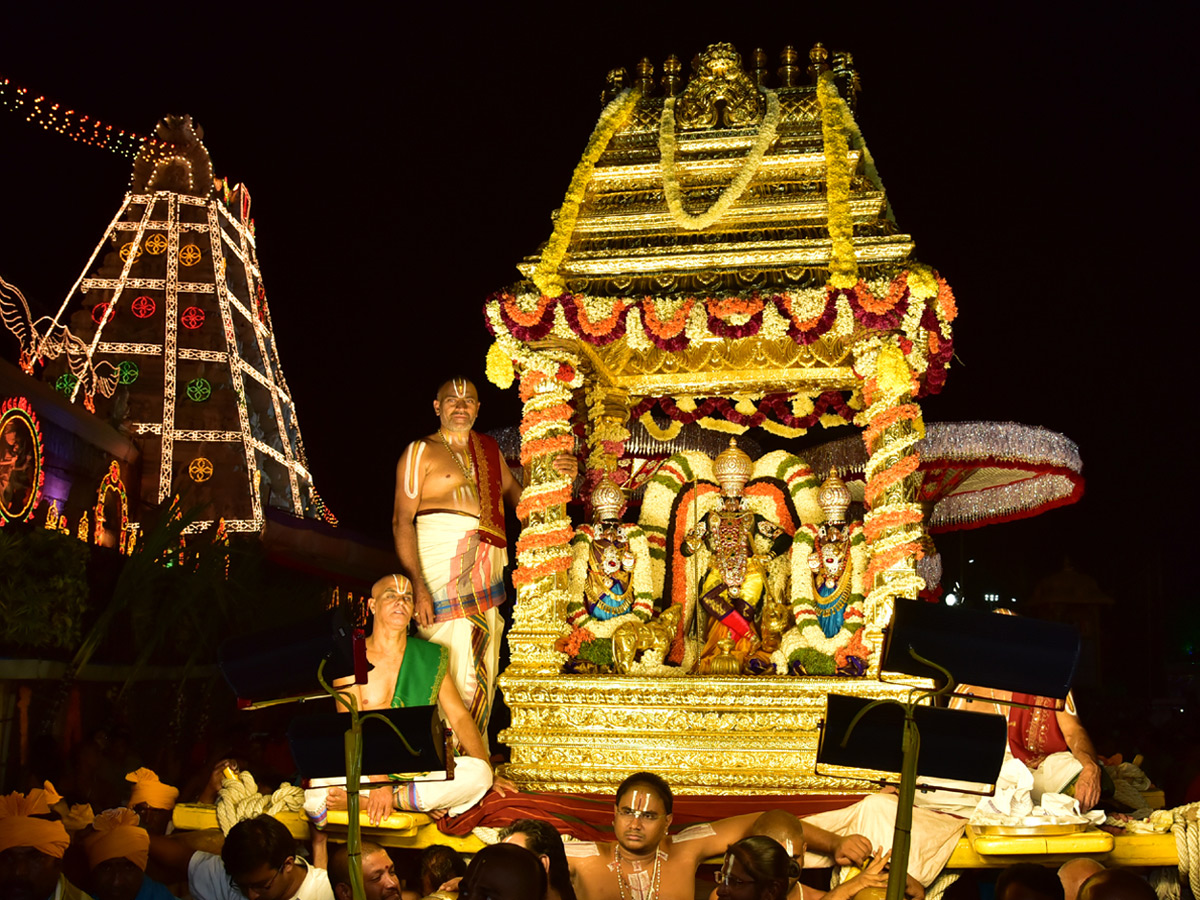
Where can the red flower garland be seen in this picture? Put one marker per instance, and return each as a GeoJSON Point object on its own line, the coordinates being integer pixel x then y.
{"type": "Point", "coordinates": [511, 314]}
{"type": "Point", "coordinates": [598, 333]}
{"type": "Point", "coordinates": [878, 315]}
{"type": "Point", "coordinates": [721, 310]}
{"type": "Point", "coordinates": [773, 407]}
{"type": "Point", "coordinates": [805, 332]}
{"type": "Point", "coordinates": [669, 335]}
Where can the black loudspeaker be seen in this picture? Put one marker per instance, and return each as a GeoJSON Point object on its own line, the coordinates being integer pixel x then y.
{"type": "Point", "coordinates": [965, 746]}
{"type": "Point", "coordinates": [282, 662]}
{"type": "Point", "coordinates": [318, 747]}
{"type": "Point", "coordinates": [980, 648]}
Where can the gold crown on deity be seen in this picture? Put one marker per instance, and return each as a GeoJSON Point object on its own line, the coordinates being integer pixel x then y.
{"type": "Point", "coordinates": [607, 499]}
{"type": "Point", "coordinates": [732, 467]}
{"type": "Point", "coordinates": [834, 498]}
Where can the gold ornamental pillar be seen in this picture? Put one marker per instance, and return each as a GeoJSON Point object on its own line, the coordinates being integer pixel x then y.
{"type": "Point", "coordinates": [543, 548]}
{"type": "Point", "coordinates": [608, 430]}
{"type": "Point", "coordinates": [894, 522]}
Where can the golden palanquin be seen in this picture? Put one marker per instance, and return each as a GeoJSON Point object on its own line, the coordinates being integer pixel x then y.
{"type": "Point", "coordinates": [725, 255]}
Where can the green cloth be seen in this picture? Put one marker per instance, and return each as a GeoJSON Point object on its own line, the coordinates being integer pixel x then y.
{"type": "Point", "coordinates": [421, 673]}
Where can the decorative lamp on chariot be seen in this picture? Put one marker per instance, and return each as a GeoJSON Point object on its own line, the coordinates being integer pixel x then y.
{"type": "Point", "coordinates": [724, 258]}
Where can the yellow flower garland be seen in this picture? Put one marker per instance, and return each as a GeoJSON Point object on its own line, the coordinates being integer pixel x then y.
{"type": "Point", "coordinates": [843, 266]}
{"type": "Point", "coordinates": [499, 367]}
{"type": "Point", "coordinates": [660, 434]}
{"type": "Point", "coordinates": [733, 192]}
{"type": "Point", "coordinates": [612, 119]}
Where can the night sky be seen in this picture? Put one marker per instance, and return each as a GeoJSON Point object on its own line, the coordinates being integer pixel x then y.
{"type": "Point", "coordinates": [401, 163]}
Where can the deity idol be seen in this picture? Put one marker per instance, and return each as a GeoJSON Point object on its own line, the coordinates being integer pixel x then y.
{"type": "Point", "coordinates": [735, 584]}
{"type": "Point", "coordinates": [827, 608]}
{"type": "Point", "coordinates": [610, 577]}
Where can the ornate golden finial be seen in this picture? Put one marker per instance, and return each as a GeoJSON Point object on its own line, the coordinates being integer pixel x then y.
{"type": "Point", "coordinates": [789, 67]}
{"type": "Point", "coordinates": [761, 61]}
{"type": "Point", "coordinates": [816, 62]}
{"type": "Point", "coordinates": [607, 500]}
{"type": "Point", "coordinates": [614, 82]}
{"type": "Point", "coordinates": [834, 499]}
{"type": "Point", "coordinates": [846, 77]}
{"type": "Point", "coordinates": [725, 663]}
{"type": "Point", "coordinates": [732, 468]}
{"type": "Point", "coordinates": [645, 76]}
{"type": "Point", "coordinates": [672, 80]}
{"type": "Point", "coordinates": [718, 76]}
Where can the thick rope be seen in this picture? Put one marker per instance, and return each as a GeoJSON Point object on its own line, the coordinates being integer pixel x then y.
{"type": "Point", "coordinates": [1186, 828]}
{"type": "Point", "coordinates": [940, 884]}
{"type": "Point", "coordinates": [239, 799]}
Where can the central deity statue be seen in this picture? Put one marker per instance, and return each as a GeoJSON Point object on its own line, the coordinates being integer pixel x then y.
{"type": "Point", "coordinates": [735, 585]}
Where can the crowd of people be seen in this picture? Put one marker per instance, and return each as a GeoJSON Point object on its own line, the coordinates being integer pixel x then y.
{"type": "Point", "coordinates": [53, 850]}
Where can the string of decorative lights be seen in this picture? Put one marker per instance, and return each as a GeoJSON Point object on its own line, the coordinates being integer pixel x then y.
{"type": "Point", "coordinates": [54, 117]}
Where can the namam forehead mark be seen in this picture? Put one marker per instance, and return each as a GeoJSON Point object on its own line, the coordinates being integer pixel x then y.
{"type": "Point", "coordinates": [641, 799]}
{"type": "Point", "coordinates": [398, 584]}
{"type": "Point", "coordinates": [460, 388]}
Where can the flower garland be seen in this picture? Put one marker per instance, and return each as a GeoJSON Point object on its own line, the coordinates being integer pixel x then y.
{"type": "Point", "coordinates": [666, 333]}
{"type": "Point", "coordinates": [541, 537]}
{"type": "Point", "coordinates": [915, 303]}
{"type": "Point", "coordinates": [499, 367]}
{"type": "Point", "coordinates": [893, 526]}
{"type": "Point", "coordinates": [667, 148]}
{"type": "Point", "coordinates": [843, 265]}
{"type": "Point", "coordinates": [734, 317]}
{"type": "Point", "coordinates": [776, 410]}
{"type": "Point", "coordinates": [612, 120]}
{"type": "Point", "coordinates": [547, 380]}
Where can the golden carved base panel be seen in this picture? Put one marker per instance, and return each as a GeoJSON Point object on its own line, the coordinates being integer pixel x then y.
{"type": "Point", "coordinates": [704, 735]}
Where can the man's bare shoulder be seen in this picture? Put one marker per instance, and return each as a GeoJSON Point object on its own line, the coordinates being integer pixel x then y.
{"type": "Point", "coordinates": [587, 853]}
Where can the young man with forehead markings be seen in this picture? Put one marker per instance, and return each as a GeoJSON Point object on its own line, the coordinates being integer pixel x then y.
{"type": "Point", "coordinates": [452, 488]}
{"type": "Point", "coordinates": [645, 863]}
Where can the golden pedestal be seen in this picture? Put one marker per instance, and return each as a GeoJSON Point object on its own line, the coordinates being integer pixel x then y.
{"type": "Point", "coordinates": [704, 735]}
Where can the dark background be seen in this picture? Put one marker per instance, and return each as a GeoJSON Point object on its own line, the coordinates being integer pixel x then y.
{"type": "Point", "coordinates": [403, 158]}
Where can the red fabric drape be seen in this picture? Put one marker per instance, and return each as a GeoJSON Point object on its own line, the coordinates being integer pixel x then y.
{"type": "Point", "coordinates": [1033, 734]}
{"type": "Point", "coordinates": [589, 817]}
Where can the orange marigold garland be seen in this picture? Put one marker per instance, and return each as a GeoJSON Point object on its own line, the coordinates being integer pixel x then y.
{"type": "Point", "coordinates": [888, 418]}
{"type": "Point", "coordinates": [530, 574]}
{"type": "Point", "coordinates": [545, 540]}
{"type": "Point", "coordinates": [875, 525]}
{"type": "Point", "coordinates": [891, 475]}
{"type": "Point", "coordinates": [550, 446]}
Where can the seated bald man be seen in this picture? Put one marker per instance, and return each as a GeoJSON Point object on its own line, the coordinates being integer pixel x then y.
{"type": "Point", "coordinates": [32, 848]}
{"type": "Point", "coordinates": [409, 671]}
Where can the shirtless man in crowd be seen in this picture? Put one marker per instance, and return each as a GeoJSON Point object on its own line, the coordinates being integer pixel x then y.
{"type": "Point", "coordinates": [645, 863]}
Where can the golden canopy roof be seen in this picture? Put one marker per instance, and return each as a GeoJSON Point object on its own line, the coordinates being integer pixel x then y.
{"type": "Point", "coordinates": [728, 238]}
